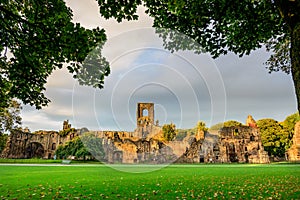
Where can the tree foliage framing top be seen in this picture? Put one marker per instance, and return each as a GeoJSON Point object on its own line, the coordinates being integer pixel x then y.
{"type": "Point", "coordinates": [41, 37]}
{"type": "Point", "coordinates": [37, 37]}
{"type": "Point", "coordinates": [222, 26]}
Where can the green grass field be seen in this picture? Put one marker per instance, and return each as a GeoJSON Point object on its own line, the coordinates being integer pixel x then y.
{"type": "Point", "coordinates": [43, 161]}
{"type": "Point", "coordinates": [172, 182]}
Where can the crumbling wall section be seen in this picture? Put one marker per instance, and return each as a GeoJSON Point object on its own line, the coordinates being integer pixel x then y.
{"type": "Point", "coordinates": [241, 144]}
{"type": "Point", "coordinates": [38, 145]}
{"type": "Point", "coordinates": [293, 154]}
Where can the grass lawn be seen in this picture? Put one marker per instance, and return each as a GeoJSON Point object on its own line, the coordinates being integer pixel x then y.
{"type": "Point", "coordinates": [37, 161]}
{"type": "Point", "coordinates": [173, 182]}
{"type": "Point", "coordinates": [42, 161]}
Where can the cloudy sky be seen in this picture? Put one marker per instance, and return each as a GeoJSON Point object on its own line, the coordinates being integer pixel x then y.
{"type": "Point", "coordinates": [185, 87]}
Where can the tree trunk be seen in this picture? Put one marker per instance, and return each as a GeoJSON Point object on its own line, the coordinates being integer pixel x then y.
{"type": "Point", "coordinates": [295, 60]}
{"type": "Point", "coordinates": [289, 11]}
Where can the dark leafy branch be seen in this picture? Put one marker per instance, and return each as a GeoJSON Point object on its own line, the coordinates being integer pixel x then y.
{"type": "Point", "coordinates": [220, 27]}
{"type": "Point", "coordinates": [41, 37]}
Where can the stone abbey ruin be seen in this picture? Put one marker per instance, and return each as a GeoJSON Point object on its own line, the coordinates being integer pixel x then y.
{"type": "Point", "coordinates": [41, 144]}
{"type": "Point", "coordinates": [146, 144]}
{"type": "Point", "coordinates": [293, 154]}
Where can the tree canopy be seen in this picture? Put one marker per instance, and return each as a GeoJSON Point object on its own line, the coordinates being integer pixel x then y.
{"type": "Point", "coordinates": [10, 117]}
{"type": "Point", "coordinates": [232, 123]}
{"type": "Point", "coordinates": [38, 37]}
{"type": "Point", "coordinates": [86, 145]}
{"type": "Point", "coordinates": [221, 26]}
{"type": "Point", "coordinates": [169, 131]}
{"type": "Point", "coordinates": [3, 140]}
{"type": "Point", "coordinates": [228, 123]}
{"type": "Point", "coordinates": [274, 137]}
{"type": "Point", "coordinates": [94, 145]}
{"type": "Point", "coordinates": [74, 147]}
{"type": "Point", "coordinates": [201, 126]}
{"type": "Point", "coordinates": [289, 123]}
{"type": "Point", "coordinates": [217, 126]}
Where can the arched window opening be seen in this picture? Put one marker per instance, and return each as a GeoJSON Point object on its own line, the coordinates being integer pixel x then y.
{"type": "Point", "coordinates": [53, 146]}
{"type": "Point", "coordinates": [145, 113]}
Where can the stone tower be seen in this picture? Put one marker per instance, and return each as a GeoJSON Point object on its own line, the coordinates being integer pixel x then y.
{"type": "Point", "coordinates": [66, 125]}
{"type": "Point", "coordinates": [145, 114]}
{"type": "Point", "coordinates": [251, 122]}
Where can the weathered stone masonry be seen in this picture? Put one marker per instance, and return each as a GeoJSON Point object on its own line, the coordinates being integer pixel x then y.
{"type": "Point", "coordinates": [231, 144]}
{"type": "Point", "coordinates": [145, 144]}
{"type": "Point", "coordinates": [293, 154]}
{"type": "Point", "coordinates": [41, 144]}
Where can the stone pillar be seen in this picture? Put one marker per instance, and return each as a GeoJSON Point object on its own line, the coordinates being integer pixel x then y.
{"type": "Point", "coordinates": [293, 154]}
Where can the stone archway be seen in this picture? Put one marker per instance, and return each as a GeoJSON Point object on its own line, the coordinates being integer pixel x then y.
{"type": "Point", "coordinates": [118, 157]}
{"type": "Point", "coordinates": [35, 150]}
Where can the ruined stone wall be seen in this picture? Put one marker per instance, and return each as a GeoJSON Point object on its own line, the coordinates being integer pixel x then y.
{"type": "Point", "coordinates": [113, 134]}
{"type": "Point", "coordinates": [293, 154]}
{"type": "Point", "coordinates": [241, 144]}
{"type": "Point", "coordinates": [144, 145]}
{"type": "Point", "coordinates": [143, 150]}
{"type": "Point", "coordinates": [192, 153]}
{"type": "Point", "coordinates": [147, 145]}
{"type": "Point", "coordinates": [178, 147]}
{"type": "Point", "coordinates": [28, 145]}
{"type": "Point", "coordinates": [142, 132]}
{"type": "Point", "coordinates": [201, 149]}
{"type": "Point", "coordinates": [232, 144]}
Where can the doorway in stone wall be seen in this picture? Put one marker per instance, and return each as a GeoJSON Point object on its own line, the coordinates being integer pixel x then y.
{"type": "Point", "coordinates": [118, 157]}
{"type": "Point", "coordinates": [231, 153]}
{"type": "Point", "coordinates": [201, 158]}
{"type": "Point", "coordinates": [35, 150]}
{"type": "Point", "coordinates": [246, 157]}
